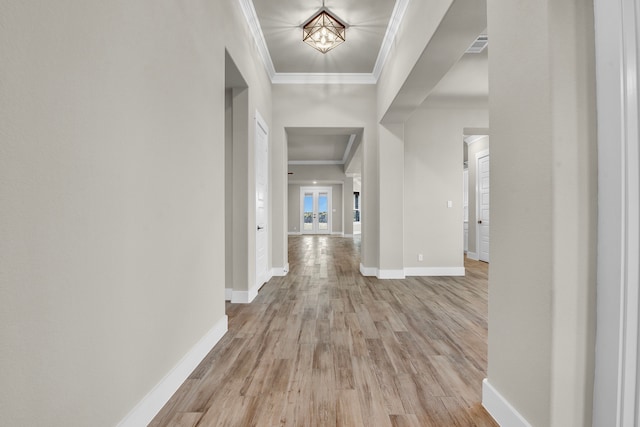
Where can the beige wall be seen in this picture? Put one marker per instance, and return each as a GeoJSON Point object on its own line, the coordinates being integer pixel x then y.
{"type": "Point", "coordinates": [432, 176]}
{"type": "Point", "coordinates": [329, 106]}
{"type": "Point", "coordinates": [391, 165]}
{"type": "Point", "coordinates": [112, 180]}
{"type": "Point", "coordinates": [472, 150]}
{"type": "Point", "coordinates": [543, 193]}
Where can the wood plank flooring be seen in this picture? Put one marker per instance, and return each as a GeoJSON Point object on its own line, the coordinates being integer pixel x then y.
{"type": "Point", "coordinates": [324, 346]}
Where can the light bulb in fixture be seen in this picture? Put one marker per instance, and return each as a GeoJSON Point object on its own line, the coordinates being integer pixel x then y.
{"type": "Point", "coordinates": [323, 31]}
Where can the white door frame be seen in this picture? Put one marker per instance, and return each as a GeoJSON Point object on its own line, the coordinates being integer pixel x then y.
{"type": "Point", "coordinates": [616, 396]}
{"type": "Point", "coordinates": [316, 190]}
{"type": "Point", "coordinates": [261, 226]}
{"type": "Point", "coordinates": [479, 155]}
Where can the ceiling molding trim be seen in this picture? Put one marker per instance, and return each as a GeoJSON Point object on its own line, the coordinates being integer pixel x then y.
{"type": "Point", "coordinates": [251, 16]}
{"type": "Point", "coordinates": [392, 30]}
{"type": "Point", "coordinates": [471, 139]}
{"type": "Point", "coordinates": [316, 162]}
{"type": "Point", "coordinates": [347, 150]}
{"type": "Point", "coordinates": [324, 78]}
{"type": "Point", "coordinates": [319, 182]}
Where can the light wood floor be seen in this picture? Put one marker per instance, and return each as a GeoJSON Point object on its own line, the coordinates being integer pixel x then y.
{"type": "Point", "coordinates": [325, 346]}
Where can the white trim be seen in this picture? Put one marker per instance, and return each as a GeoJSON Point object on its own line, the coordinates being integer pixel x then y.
{"type": "Point", "coordinates": [368, 271]}
{"type": "Point", "coordinates": [280, 271]}
{"type": "Point", "coordinates": [228, 294]}
{"type": "Point", "coordinates": [392, 30]}
{"type": "Point", "coordinates": [323, 78]}
{"type": "Point", "coordinates": [245, 297]}
{"type": "Point", "coordinates": [151, 404]}
{"type": "Point", "coordinates": [473, 256]}
{"type": "Point", "coordinates": [347, 235]}
{"type": "Point", "coordinates": [390, 274]}
{"type": "Point", "coordinates": [337, 233]}
{"type": "Point", "coordinates": [347, 150]}
{"type": "Point", "coordinates": [472, 139]}
{"type": "Point", "coordinates": [616, 396]}
{"type": "Point", "coordinates": [251, 16]}
{"type": "Point", "coordinates": [500, 408]}
{"type": "Point", "coordinates": [628, 375]}
{"type": "Point", "coordinates": [294, 233]}
{"type": "Point", "coordinates": [309, 182]}
{"type": "Point", "coordinates": [434, 271]}
{"type": "Point", "coordinates": [315, 162]}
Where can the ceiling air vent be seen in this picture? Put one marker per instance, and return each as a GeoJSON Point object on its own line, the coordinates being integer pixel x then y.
{"type": "Point", "coordinates": [479, 45]}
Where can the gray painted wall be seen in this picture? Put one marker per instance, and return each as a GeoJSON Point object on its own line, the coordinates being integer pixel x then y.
{"type": "Point", "coordinates": [432, 176]}
{"type": "Point", "coordinates": [112, 183]}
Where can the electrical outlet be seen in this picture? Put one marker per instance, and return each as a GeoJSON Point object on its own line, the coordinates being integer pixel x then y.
{"type": "Point", "coordinates": [420, 257]}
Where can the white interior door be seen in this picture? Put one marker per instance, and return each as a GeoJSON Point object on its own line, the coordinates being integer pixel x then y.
{"type": "Point", "coordinates": [465, 209]}
{"type": "Point", "coordinates": [315, 203]}
{"type": "Point", "coordinates": [482, 202]}
{"type": "Point", "coordinates": [262, 186]}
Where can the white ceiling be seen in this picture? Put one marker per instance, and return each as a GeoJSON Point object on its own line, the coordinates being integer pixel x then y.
{"type": "Point", "coordinates": [281, 23]}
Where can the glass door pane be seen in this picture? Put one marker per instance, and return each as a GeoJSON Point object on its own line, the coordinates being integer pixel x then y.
{"type": "Point", "coordinates": [323, 211]}
{"type": "Point", "coordinates": [308, 212]}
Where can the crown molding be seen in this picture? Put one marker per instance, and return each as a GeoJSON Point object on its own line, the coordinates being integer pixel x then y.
{"type": "Point", "coordinates": [471, 139]}
{"type": "Point", "coordinates": [392, 30]}
{"type": "Point", "coordinates": [324, 78]}
{"type": "Point", "coordinates": [251, 16]}
{"type": "Point", "coordinates": [315, 162]}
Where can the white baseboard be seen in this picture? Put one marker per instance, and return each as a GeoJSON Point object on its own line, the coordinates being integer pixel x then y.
{"type": "Point", "coordinates": [390, 274]}
{"type": "Point", "coordinates": [473, 255]}
{"type": "Point", "coordinates": [243, 297]}
{"type": "Point", "coordinates": [151, 404]}
{"type": "Point", "coordinates": [280, 271]}
{"type": "Point", "coordinates": [348, 235]}
{"type": "Point", "coordinates": [499, 408]}
{"type": "Point", "coordinates": [434, 271]}
{"type": "Point", "coordinates": [368, 271]}
{"type": "Point", "coordinates": [294, 233]}
{"type": "Point", "coordinates": [246, 297]}
{"type": "Point", "coordinates": [228, 294]}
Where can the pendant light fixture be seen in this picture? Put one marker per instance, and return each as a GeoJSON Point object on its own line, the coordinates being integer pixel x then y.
{"type": "Point", "coordinates": [323, 31]}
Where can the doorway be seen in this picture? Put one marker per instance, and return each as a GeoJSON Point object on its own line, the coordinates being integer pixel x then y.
{"type": "Point", "coordinates": [315, 210]}
{"type": "Point", "coordinates": [262, 188]}
{"type": "Point", "coordinates": [482, 203]}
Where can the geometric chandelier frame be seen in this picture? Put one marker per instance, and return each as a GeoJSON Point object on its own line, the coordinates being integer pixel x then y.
{"type": "Point", "coordinates": [324, 31]}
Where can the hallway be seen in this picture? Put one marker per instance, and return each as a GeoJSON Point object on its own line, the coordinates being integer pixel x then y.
{"type": "Point", "coordinates": [324, 346]}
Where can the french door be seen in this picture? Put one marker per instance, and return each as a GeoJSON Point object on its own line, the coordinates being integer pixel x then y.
{"type": "Point", "coordinates": [315, 210]}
